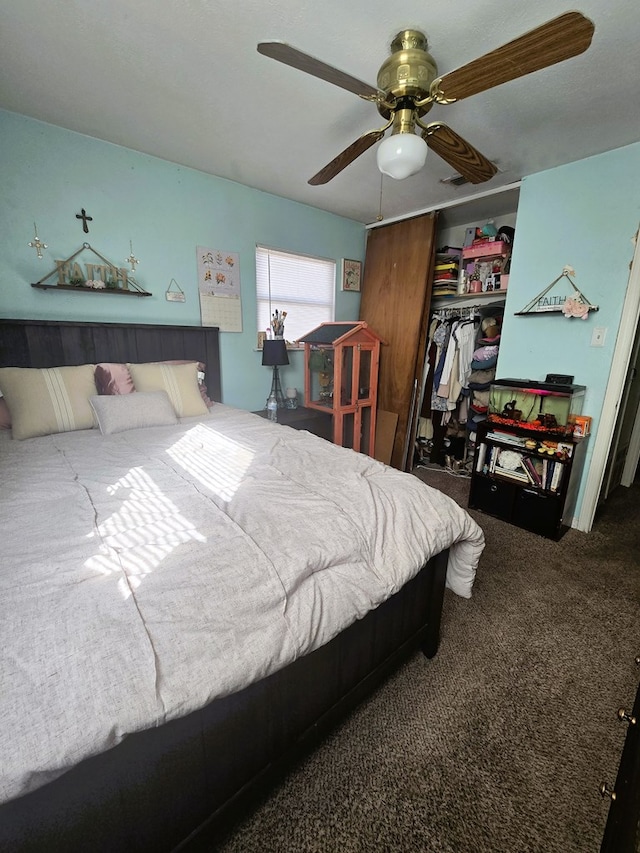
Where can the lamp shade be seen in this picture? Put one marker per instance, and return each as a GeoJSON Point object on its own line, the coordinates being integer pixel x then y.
{"type": "Point", "coordinates": [274, 353]}
{"type": "Point", "coordinates": [401, 155]}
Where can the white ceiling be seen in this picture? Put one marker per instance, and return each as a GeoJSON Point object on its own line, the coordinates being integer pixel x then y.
{"type": "Point", "coordinates": [182, 80]}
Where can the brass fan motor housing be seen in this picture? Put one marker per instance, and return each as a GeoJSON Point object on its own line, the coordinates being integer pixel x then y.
{"type": "Point", "coordinates": [408, 72]}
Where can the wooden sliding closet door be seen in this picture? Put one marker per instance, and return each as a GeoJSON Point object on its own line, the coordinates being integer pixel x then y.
{"type": "Point", "coordinates": [395, 302]}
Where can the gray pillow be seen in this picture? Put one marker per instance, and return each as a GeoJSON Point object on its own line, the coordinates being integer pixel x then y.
{"type": "Point", "coordinates": [133, 411]}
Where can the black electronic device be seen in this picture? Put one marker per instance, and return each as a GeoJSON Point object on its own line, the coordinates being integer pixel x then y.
{"type": "Point", "coordinates": [559, 379]}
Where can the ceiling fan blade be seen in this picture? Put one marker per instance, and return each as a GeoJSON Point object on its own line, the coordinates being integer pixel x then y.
{"type": "Point", "coordinates": [559, 39]}
{"type": "Point", "coordinates": [457, 152]}
{"type": "Point", "coordinates": [283, 52]}
{"type": "Point", "coordinates": [346, 157]}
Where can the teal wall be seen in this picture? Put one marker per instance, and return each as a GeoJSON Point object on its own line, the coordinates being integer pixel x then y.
{"type": "Point", "coordinates": [48, 174]}
{"type": "Point", "coordinates": [584, 215]}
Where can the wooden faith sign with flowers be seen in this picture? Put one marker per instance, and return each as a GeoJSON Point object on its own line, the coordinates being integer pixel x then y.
{"type": "Point", "coordinates": [570, 303]}
{"type": "Point", "coordinates": [81, 272]}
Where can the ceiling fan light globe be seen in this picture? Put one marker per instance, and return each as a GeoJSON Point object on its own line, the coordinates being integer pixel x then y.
{"type": "Point", "coordinates": [401, 155]}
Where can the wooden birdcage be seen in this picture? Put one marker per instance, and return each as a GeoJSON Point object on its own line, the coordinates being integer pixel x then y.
{"type": "Point", "coordinates": [341, 377]}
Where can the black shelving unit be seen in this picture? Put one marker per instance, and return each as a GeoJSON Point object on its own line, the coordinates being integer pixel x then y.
{"type": "Point", "coordinates": [542, 501]}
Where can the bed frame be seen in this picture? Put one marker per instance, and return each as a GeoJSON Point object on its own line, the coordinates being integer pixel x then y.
{"type": "Point", "coordinates": [45, 343]}
{"type": "Point", "coordinates": [181, 785]}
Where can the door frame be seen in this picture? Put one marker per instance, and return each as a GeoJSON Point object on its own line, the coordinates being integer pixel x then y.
{"type": "Point", "coordinates": [614, 394]}
{"type": "Point", "coordinates": [633, 454]}
{"type": "Point", "coordinates": [624, 413]}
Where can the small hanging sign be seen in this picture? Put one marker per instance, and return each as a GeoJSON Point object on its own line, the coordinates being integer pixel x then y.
{"type": "Point", "coordinates": [575, 304]}
{"type": "Point", "coordinates": [175, 295]}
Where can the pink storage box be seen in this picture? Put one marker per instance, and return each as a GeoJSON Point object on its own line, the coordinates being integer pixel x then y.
{"type": "Point", "coordinates": [486, 249]}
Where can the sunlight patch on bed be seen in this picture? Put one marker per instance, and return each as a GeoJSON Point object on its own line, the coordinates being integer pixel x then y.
{"type": "Point", "coordinates": [140, 535]}
{"type": "Point", "coordinates": [216, 461]}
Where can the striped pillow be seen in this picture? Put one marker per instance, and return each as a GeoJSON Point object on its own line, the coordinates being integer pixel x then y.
{"type": "Point", "coordinates": [180, 381]}
{"type": "Point", "coordinates": [114, 378]}
{"type": "Point", "coordinates": [48, 400]}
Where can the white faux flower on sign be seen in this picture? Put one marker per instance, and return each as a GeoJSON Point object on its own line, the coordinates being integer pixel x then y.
{"type": "Point", "coordinates": [575, 308]}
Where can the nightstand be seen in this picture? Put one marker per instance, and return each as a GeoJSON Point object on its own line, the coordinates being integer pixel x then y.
{"type": "Point", "coordinates": [319, 423]}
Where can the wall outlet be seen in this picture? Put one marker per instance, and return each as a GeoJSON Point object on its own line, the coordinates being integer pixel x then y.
{"type": "Point", "coordinates": [597, 336]}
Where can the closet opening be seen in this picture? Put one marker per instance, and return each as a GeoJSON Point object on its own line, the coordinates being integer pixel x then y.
{"type": "Point", "coordinates": [460, 365]}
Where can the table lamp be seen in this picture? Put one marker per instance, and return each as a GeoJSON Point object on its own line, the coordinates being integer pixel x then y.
{"type": "Point", "coordinates": [274, 354]}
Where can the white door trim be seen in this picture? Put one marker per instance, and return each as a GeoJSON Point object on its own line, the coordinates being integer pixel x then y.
{"type": "Point", "coordinates": [613, 394]}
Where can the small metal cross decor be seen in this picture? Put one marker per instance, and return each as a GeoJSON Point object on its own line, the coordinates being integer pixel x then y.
{"type": "Point", "coordinates": [37, 243]}
{"type": "Point", "coordinates": [82, 215]}
{"type": "Point", "coordinates": [132, 258]}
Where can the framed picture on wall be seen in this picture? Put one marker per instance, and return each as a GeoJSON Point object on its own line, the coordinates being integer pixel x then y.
{"type": "Point", "coordinates": [351, 274]}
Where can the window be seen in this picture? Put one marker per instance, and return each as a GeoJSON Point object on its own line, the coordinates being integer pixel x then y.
{"type": "Point", "coordinates": [301, 285]}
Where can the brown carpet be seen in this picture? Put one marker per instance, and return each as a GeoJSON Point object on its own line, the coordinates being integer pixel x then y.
{"type": "Point", "coordinates": [498, 744]}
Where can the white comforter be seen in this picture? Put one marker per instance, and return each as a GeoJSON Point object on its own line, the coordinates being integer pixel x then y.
{"type": "Point", "coordinates": [145, 573]}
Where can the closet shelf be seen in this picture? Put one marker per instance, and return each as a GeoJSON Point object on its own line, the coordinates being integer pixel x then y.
{"type": "Point", "coordinates": [469, 299]}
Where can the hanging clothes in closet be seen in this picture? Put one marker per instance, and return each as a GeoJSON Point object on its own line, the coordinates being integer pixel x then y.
{"type": "Point", "coordinates": [483, 371]}
{"type": "Point", "coordinates": [459, 360]}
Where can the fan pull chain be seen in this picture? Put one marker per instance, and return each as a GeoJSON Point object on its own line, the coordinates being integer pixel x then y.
{"type": "Point", "coordinates": [379, 216]}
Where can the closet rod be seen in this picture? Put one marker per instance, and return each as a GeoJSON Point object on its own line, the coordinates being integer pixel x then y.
{"type": "Point", "coordinates": [467, 312]}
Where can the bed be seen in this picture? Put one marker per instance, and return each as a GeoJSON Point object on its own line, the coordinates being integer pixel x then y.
{"type": "Point", "coordinates": [188, 601]}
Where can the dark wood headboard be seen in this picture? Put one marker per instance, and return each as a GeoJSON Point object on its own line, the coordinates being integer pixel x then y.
{"type": "Point", "coordinates": [48, 343]}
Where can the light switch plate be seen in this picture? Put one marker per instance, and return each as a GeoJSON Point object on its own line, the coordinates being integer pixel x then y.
{"type": "Point", "coordinates": [597, 336]}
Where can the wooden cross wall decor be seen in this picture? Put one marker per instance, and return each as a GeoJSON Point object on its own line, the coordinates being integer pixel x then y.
{"type": "Point", "coordinates": [83, 215]}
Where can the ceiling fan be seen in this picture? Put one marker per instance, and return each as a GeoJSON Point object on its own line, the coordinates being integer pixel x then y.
{"type": "Point", "coordinates": [408, 86]}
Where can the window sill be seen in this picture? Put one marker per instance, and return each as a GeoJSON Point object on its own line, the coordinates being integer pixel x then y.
{"type": "Point", "coordinates": [290, 348]}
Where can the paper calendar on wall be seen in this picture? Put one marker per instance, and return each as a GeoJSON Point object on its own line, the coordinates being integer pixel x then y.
{"type": "Point", "coordinates": [219, 289]}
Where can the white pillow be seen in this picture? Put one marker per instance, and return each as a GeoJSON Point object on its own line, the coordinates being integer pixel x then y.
{"type": "Point", "coordinates": [180, 381]}
{"type": "Point", "coordinates": [43, 401]}
{"type": "Point", "coordinates": [133, 411]}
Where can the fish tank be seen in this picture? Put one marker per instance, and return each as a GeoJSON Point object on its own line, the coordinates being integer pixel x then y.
{"type": "Point", "coordinates": [544, 407]}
